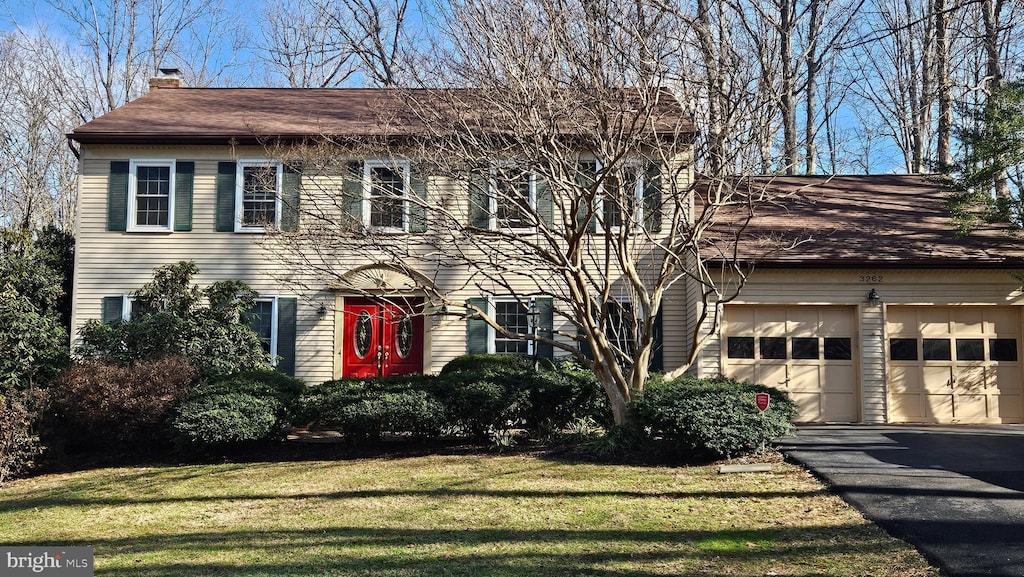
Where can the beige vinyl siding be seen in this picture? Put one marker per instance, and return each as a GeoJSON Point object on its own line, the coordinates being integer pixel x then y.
{"type": "Point", "coordinates": [114, 263]}
{"type": "Point", "coordinates": [850, 287]}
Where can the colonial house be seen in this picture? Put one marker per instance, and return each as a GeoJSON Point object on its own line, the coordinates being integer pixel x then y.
{"type": "Point", "coordinates": [865, 307]}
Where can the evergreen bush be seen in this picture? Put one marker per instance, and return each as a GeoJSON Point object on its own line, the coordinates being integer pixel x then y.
{"type": "Point", "coordinates": [713, 417]}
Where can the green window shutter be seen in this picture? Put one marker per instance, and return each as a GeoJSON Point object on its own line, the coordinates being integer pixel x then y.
{"type": "Point", "coordinates": [657, 363]}
{"type": "Point", "coordinates": [225, 197]}
{"type": "Point", "coordinates": [287, 309]}
{"type": "Point", "coordinates": [117, 196]}
{"type": "Point", "coordinates": [476, 330]}
{"type": "Point", "coordinates": [652, 197]}
{"type": "Point", "coordinates": [291, 186]}
{"type": "Point", "coordinates": [352, 191]}
{"type": "Point", "coordinates": [479, 201]}
{"type": "Point", "coordinates": [112, 310]}
{"type": "Point", "coordinates": [417, 206]}
{"type": "Point", "coordinates": [184, 176]}
{"type": "Point", "coordinates": [546, 324]}
{"type": "Point", "coordinates": [545, 203]}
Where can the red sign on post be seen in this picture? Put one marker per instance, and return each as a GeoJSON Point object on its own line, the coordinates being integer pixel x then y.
{"type": "Point", "coordinates": [762, 400]}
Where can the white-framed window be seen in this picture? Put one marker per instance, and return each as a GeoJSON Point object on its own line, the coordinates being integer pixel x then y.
{"type": "Point", "coordinates": [262, 317]}
{"type": "Point", "coordinates": [619, 199]}
{"type": "Point", "coordinates": [513, 198]}
{"type": "Point", "coordinates": [620, 325]}
{"type": "Point", "coordinates": [257, 195]}
{"type": "Point", "coordinates": [386, 195]}
{"type": "Point", "coordinates": [150, 195]}
{"type": "Point", "coordinates": [513, 316]}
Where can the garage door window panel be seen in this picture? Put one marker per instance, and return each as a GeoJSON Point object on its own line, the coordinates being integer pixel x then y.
{"type": "Point", "coordinates": [740, 347]}
{"type": "Point", "coordinates": [903, 349]}
{"type": "Point", "coordinates": [936, 350]}
{"type": "Point", "coordinates": [805, 348]}
{"type": "Point", "coordinates": [1003, 350]}
{"type": "Point", "coordinates": [773, 348]}
{"type": "Point", "coordinates": [970, 349]}
{"type": "Point", "coordinates": [838, 349]}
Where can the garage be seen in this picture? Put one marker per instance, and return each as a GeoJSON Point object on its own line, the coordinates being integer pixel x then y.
{"type": "Point", "coordinates": [808, 351]}
{"type": "Point", "coordinates": [957, 364]}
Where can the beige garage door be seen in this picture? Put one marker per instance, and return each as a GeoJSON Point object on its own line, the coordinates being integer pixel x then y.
{"type": "Point", "coordinates": [808, 351]}
{"type": "Point", "coordinates": [954, 364]}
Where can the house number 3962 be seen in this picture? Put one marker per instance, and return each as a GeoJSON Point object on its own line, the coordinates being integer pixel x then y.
{"type": "Point", "coordinates": [870, 278]}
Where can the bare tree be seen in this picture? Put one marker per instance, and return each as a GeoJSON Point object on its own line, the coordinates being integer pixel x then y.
{"type": "Point", "coordinates": [37, 168]}
{"type": "Point", "coordinates": [127, 41]}
{"type": "Point", "coordinates": [300, 44]}
{"type": "Point", "coordinates": [556, 169]}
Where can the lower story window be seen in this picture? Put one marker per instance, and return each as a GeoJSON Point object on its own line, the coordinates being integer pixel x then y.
{"type": "Point", "coordinates": [622, 326]}
{"type": "Point", "coordinates": [513, 317]}
{"type": "Point", "coordinates": [261, 318]}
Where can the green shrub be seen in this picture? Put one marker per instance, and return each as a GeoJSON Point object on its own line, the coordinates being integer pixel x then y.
{"type": "Point", "coordinates": [713, 417]}
{"type": "Point", "coordinates": [488, 392]}
{"type": "Point", "coordinates": [412, 412]}
{"type": "Point", "coordinates": [488, 364]}
{"type": "Point", "coordinates": [19, 441]}
{"type": "Point", "coordinates": [226, 418]}
{"type": "Point", "coordinates": [130, 404]}
{"type": "Point", "coordinates": [364, 409]}
{"type": "Point", "coordinates": [565, 394]}
{"type": "Point", "coordinates": [172, 319]}
{"type": "Point", "coordinates": [479, 407]}
{"type": "Point", "coordinates": [266, 383]}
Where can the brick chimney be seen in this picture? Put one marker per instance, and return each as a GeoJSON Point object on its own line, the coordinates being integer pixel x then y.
{"type": "Point", "coordinates": [168, 78]}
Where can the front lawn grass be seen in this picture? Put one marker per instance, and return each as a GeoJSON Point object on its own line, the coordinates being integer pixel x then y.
{"type": "Point", "coordinates": [476, 515]}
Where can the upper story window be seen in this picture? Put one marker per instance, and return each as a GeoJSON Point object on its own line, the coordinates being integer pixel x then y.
{"type": "Point", "coordinates": [257, 195]}
{"type": "Point", "coordinates": [385, 190]}
{"type": "Point", "coordinates": [622, 198]}
{"type": "Point", "coordinates": [150, 195]}
{"type": "Point", "coordinates": [513, 198]}
{"type": "Point", "coordinates": [626, 195]}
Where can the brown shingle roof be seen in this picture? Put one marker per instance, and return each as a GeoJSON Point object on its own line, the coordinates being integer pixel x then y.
{"type": "Point", "coordinates": [220, 115]}
{"type": "Point", "coordinates": [881, 220]}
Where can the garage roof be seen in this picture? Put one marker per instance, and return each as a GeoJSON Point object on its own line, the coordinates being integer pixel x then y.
{"type": "Point", "coordinates": [844, 221]}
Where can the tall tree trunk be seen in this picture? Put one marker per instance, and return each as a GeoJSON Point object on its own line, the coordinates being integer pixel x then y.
{"type": "Point", "coordinates": [813, 65]}
{"type": "Point", "coordinates": [991, 10]}
{"type": "Point", "coordinates": [787, 100]}
{"type": "Point", "coordinates": [943, 154]}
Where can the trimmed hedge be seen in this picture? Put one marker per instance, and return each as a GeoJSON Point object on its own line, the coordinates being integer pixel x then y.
{"type": "Point", "coordinates": [713, 417]}
{"type": "Point", "coordinates": [247, 406]}
{"type": "Point", "coordinates": [475, 395]}
{"type": "Point", "coordinates": [263, 383]}
{"type": "Point", "coordinates": [226, 418]}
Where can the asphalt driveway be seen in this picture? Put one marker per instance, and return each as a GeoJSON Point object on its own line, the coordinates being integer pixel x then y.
{"type": "Point", "coordinates": [954, 492]}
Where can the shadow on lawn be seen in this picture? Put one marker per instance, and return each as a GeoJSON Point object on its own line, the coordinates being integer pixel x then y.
{"type": "Point", "coordinates": [61, 497]}
{"type": "Point", "coordinates": [482, 552]}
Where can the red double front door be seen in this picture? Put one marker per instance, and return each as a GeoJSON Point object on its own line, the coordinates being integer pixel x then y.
{"type": "Point", "coordinates": [382, 337]}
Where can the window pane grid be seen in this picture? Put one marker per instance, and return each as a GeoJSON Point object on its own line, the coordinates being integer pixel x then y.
{"type": "Point", "coordinates": [512, 201]}
{"type": "Point", "coordinates": [620, 195]}
{"type": "Point", "coordinates": [152, 195]}
{"type": "Point", "coordinates": [387, 198]}
{"type": "Point", "coordinates": [259, 195]}
{"type": "Point", "coordinates": [261, 318]}
{"type": "Point", "coordinates": [513, 318]}
{"type": "Point", "coordinates": [621, 326]}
